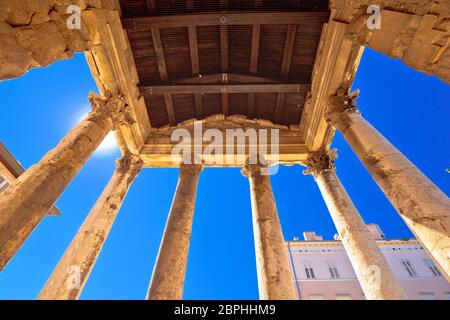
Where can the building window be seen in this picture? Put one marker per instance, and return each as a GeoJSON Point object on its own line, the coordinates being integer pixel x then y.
{"type": "Point", "coordinates": [3, 183]}
{"type": "Point", "coordinates": [426, 296]}
{"type": "Point", "coordinates": [333, 269]}
{"type": "Point", "coordinates": [408, 268]}
{"type": "Point", "coordinates": [309, 271]}
{"type": "Point", "coordinates": [430, 265]}
{"type": "Point", "coordinates": [316, 297]}
{"type": "Point", "coordinates": [343, 296]}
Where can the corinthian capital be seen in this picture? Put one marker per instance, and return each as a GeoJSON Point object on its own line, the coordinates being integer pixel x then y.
{"type": "Point", "coordinates": [342, 101]}
{"type": "Point", "coordinates": [129, 164]}
{"type": "Point", "coordinates": [320, 161]}
{"type": "Point", "coordinates": [190, 169]}
{"type": "Point", "coordinates": [113, 107]}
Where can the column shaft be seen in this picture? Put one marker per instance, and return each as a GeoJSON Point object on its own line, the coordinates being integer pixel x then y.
{"type": "Point", "coordinates": [372, 270]}
{"type": "Point", "coordinates": [30, 197]}
{"type": "Point", "coordinates": [275, 279]}
{"type": "Point", "coordinates": [70, 275]}
{"type": "Point", "coordinates": [423, 207]}
{"type": "Point", "coordinates": [168, 276]}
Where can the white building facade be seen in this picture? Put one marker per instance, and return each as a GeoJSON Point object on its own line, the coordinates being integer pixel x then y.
{"type": "Point", "coordinates": [322, 269]}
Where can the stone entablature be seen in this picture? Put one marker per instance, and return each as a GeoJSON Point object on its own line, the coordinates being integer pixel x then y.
{"type": "Point", "coordinates": [418, 32]}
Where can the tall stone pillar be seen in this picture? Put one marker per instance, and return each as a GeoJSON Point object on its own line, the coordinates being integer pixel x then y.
{"type": "Point", "coordinates": [168, 276]}
{"type": "Point", "coordinates": [423, 207]}
{"type": "Point", "coordinates": [275, 279]}
{"type": "Point", "coordinates": [70, 275]}
{"type": "Point", "coordinates": [30, 197]}
{"type": "Point", "coordinates": [372, 270]}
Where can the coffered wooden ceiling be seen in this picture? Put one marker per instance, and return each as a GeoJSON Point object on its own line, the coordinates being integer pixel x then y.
{"type": "Point", "coordinates": [199, 58]}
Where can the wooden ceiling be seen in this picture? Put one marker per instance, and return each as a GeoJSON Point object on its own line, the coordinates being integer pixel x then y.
{"type": "Point", "coordinates": [198, 58]}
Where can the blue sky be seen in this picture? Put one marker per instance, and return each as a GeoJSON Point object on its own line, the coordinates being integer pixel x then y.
{"type": "Point", "coordinates": [411, 109]}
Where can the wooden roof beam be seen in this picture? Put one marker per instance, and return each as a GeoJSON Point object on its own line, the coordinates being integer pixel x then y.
{"type": "Point", "coordinates": [217, 19]}
{"type": "Point", "coordinates": [224, 62]}
{"type": "Point", "coordinates": [218, 78]}
{"type": "Point", "coordinates": [224, 88]}
{"type": "Point", "coordinates": [163, 75]}
{"type": "Point", "coordinates": [254, 56]}
{"type": "Point", "coordinates": [151, 5]}
{"type": "Point", "coordinates": [285, 68]}
{"type": "Point", "coordinates": [193, 47]}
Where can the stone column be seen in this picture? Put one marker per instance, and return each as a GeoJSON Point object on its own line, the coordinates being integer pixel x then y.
{"type": "Point", "coordinates": [70, 275]}
{"type": "Point", "coordinates": [372, 270]}
{"type": "Point", "coordinates": [170, 268]}
{"type": "Point", "coordinates": [423, 207]}
{"type": "Point", "coordinates": [275, 279]}
{"type": "Point", "coordinates": [30, 197]}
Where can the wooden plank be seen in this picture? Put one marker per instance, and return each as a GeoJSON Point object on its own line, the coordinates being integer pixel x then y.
{"type": "Point", "coordinates": [224, 48]}
{"type": "Point", "coordinates": [217, 78]}
{"type": "Point", "coordinates": [279, 107]}
{"type": "Point", "coordinates": [151, 5]}
{"type": "Point", "coordinates": [256, 36]}
{"type": "Point", "coordinates": [288, 50]}
{"type": "Point", "coordinates": [163, 75]}
{"type": "Point", "coordinates": [198, 106]}
{"type": "Point", "coordinates": [223, 88]}
{"type": "Point", "coordinates": [193, 47]}
{"type": "Point", "coordinates": [190, 4]}
{"type": "Point", "coordinates": [254, 57]}
{"type": "Point", "coordinates": [285, 68]}
{"type": "Point", "coordinates": [225, 104]}
{"type": "Point", "coordinates": [217, 19]}
{"type": "Point", "coordinates": [224, 62]}
{"type": "Point", "coordinates": [161, 61]}
{"type": "Point", "coordinates": [170, 110]}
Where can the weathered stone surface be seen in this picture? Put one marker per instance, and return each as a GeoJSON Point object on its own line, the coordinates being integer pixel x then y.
{"type": "Point", "coordinates": [30, 197]}
{"type": "Point", "coordinates": [79, 259]}
{"type": "Point", "coordinates": [35, 34]}
{"type": "Point", "coordinates": [167, 281]}
{"type": "Point", "coordinates": [372, 270]}
{"type": "Point", "coordinates": [423, 207]}
{"type": "Point", "coordinates": [275, 279]}
{"type": "Point", "coordinates": [417, 31]}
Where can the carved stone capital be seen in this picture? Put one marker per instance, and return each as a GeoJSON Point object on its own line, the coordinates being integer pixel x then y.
{"type": "Point", "coordinates": [190, 169]}
{"type": "Point", "coordinates": [129, 164]}
{"type": "Point", "coordinates": [343, 101]}
{"type": "Point", "coordinates": [320, 161]}
{"type": "Point", "coordinates": [254, 170]}
{"type": "Point", "coordinates": [112, 107]}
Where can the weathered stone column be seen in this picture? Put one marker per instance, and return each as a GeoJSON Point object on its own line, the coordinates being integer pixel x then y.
{"type": "Point", "coordinates": [372, 270]}
{"type": "Point", "coordinates": [423, 207]}
{"type": "Point", "coordinates": [29, 198]}
{"type": "Point", "coordinates": [70, 275]}
{"type": "Point", "coordinates": [275, 279]}
{"type": "Point", "coordinates": [170, 268]}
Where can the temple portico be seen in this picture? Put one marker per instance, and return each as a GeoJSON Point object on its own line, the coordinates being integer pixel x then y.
{"type": "Point", "coordinates": [287, 70]}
